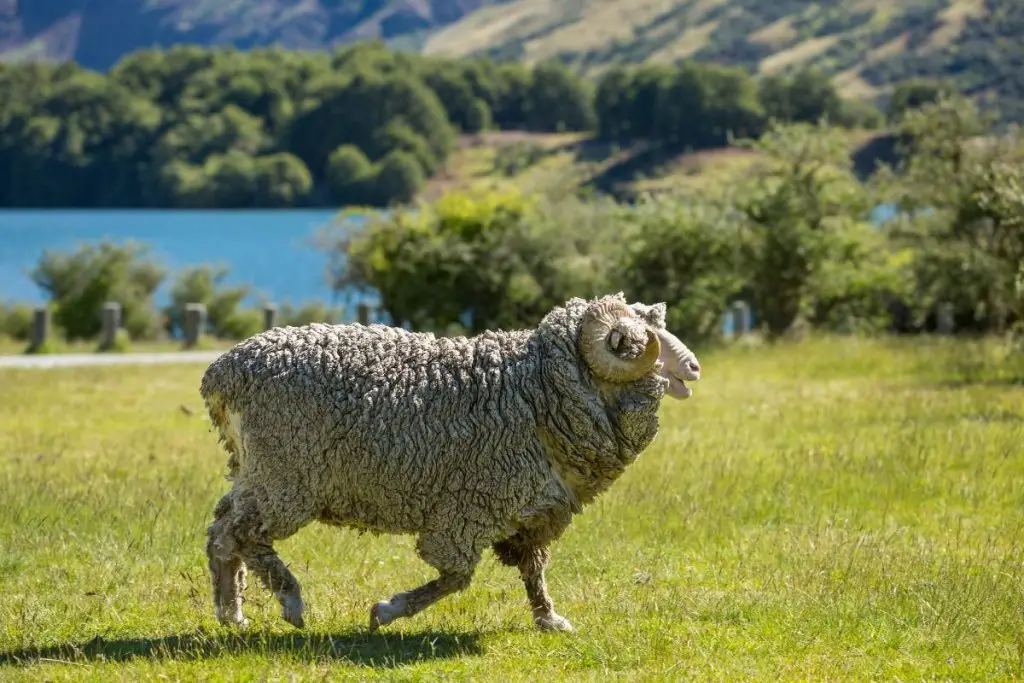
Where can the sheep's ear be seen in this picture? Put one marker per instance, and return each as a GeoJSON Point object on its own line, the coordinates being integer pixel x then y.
{"type": "Point", "coordinates": [656, 315]}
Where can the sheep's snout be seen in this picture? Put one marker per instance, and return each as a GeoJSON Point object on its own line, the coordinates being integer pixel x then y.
{"type": "Point", "coordinates": [680, 365]}
{"type": "Point", "coordinates": [692, 369]}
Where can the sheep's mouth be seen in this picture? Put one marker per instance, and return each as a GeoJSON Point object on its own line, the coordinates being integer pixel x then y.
{"type": "Point", "coordinates": [677, 387]}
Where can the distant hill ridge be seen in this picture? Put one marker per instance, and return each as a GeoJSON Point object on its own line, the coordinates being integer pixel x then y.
{"type": "Point", "coordinates": [866, 44]}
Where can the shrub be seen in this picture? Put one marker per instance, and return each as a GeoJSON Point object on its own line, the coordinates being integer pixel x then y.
{"type": "Point", "coordinates": [16, 321]}
{"type": "Point", "coordinates": [205, 285]}
{"type": "Point", "coordinates": [309, 312]}
{"type": "Point", "coordinates": [479, 260]}
{"type": "Point", "coordinates": [80, 282]}
{"type": "Point", "coordinates": [686, 254]}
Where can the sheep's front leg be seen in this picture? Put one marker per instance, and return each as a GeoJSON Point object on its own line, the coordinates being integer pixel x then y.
{"type": "Point", "coordinates": [456, 573]}
{"type": "Point", "coordinates": [532, 560]}
{"type": "Point", "coordinates": [227, 572]}
{"type": "Point", "coordinates": [239, 538]}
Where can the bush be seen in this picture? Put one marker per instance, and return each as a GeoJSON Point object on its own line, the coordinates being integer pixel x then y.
{"type": "Point", "coordinates": [309, 312]}
{"type": "Point", "coordinates": [16, 321]}
{"type": "Point", "coordinates": [478, 260]}
{"type": "Point", "coordinates": [686, 254]}
{"type": "Point", "coordinates": [855, 289]}
{"type": "Point", "coordinates": [80, 282]}
{"type": "Point", "coordinates": [205, 285]}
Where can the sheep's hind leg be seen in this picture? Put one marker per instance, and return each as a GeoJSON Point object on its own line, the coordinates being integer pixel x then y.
{"type": "Point", "coordinates": [248, 538]}
{"type": "Point", "coordinates": [532, 561]}
{"type": "Point", "coordinates": [227, 571]}
{"type": "Point", "coordinates": [456, 573]}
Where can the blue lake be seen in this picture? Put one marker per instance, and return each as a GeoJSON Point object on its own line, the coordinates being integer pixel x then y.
{"type": "Point", "coordinates": [270, 251]}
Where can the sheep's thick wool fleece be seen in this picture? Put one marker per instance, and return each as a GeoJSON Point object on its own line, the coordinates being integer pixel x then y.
{"type": "Point", "coordinates": [466, 440]}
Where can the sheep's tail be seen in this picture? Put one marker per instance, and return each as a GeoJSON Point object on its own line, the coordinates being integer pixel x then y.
{"type": "Point", "coordinates": [215, 389]}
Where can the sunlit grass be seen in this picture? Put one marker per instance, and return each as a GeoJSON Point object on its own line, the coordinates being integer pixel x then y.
{"type": "Point", "coordinates": [833, 510]}
{"type": "Point", "coordinates": [11, 347]}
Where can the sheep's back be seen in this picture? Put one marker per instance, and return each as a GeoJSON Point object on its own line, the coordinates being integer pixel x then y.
{"type": "Point", "coordinates": [386, 407]}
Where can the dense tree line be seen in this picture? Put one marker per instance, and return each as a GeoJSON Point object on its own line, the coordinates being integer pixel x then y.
{"type": "Point", "coordinates": [796, 239]}
{"type": "Point", "coordinates": [218, 127]}
{"type": "Point", "coordinates": [192, 127]}
{"type": "Point", "coordinates": [699, 105]}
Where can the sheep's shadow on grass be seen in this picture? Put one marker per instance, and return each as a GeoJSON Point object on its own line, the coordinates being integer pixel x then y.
{"type": "Point", "coordinates": [361, 648]}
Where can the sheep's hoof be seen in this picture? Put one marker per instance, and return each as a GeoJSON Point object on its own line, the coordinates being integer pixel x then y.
{"type": "Point", "coordinates": [240, 622]}
{"type": "Point", "coordinates": [384, 612]}
{"type": "Point", "coordinates": [230, 618]}
{"type": "Point", "coordinates": [553, 622]}
{"type": "Point", "coordinates": [291, 611]}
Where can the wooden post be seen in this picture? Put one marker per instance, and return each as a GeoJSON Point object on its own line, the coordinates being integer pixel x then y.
{"type": "Point", "coordinates": [363, 312]}
{"type": "Point", "coordinates": [41, 326]}
{"type": "Point", "coordinates": [111, 323]}
{"type": "Point", "coordinates": [195, 321]}
{"type": "Point", "coordinates": [945, 321]}
{"type": "Point", "coordinates": [740, 318]}
{"type": "Point", "coordinates": [269, 316]}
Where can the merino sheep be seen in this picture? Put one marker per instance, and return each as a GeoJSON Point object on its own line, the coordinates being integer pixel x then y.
{"type": "Point", "coordinates": [468, 443]}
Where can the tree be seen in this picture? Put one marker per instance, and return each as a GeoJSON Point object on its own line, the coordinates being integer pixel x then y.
{"type": "Point", "coordinates": [795, 212]}
{"type": "Point", "coordinates": [398, 178]}
{"type": "Point", "coordinates": [914, 93]}
{"type": "Point", "coordinates": [559, 101]}
{"type": "Point", "coordinates": [349, 174]}
{"type": "Point", "coordinates": [282, 180]}
{"type": "Point", "coordinates": [961, 202]}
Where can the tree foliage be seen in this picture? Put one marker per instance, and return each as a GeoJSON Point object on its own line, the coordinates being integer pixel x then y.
{"type": "Point", "coordinates": [218, 127]}
{"type": "Point", "coordinates": [961, 198]}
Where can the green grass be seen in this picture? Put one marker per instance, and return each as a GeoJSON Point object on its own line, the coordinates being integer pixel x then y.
{"type": "Point", "coordinates": [13, 347]}
{"type": "Point", "coordinates": [833, 510]}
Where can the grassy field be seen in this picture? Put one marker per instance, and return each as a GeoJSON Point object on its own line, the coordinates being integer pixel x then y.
{"type": "Point", "coordinates": [833, 510]}
{"type": "Point", "coordinates": [10, 346]}
{"type": "Point", "coordinates": [560, 163]}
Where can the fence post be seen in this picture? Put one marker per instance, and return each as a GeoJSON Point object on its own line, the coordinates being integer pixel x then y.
{"type": "Point", "coordinates": [111, 323]}
{"type": "Point", "coordinates": [945, 322]}
{"type": "Point", "coordinates": [269, 316]}
{"type": "Point", "coordinates": [41, 326]}
{"type": "Point", "coordinates": [740, 318]}
{"type": "Point", "coordinates": [363, 311]}
{"type": "Point", "coordinates": [195, 321]}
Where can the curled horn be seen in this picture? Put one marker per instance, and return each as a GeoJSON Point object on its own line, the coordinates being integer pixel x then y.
{"type": "Point", "coordinates": [598, 323]}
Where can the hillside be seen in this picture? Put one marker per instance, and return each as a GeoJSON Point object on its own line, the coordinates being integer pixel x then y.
{"type": "Point", "coordinates": [571, 163]}
{"type": "Point", "coordinates": [866, 44]}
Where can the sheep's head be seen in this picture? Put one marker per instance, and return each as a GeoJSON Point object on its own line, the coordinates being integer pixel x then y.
{"type": "Point", "coordinates": [622, 343]}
